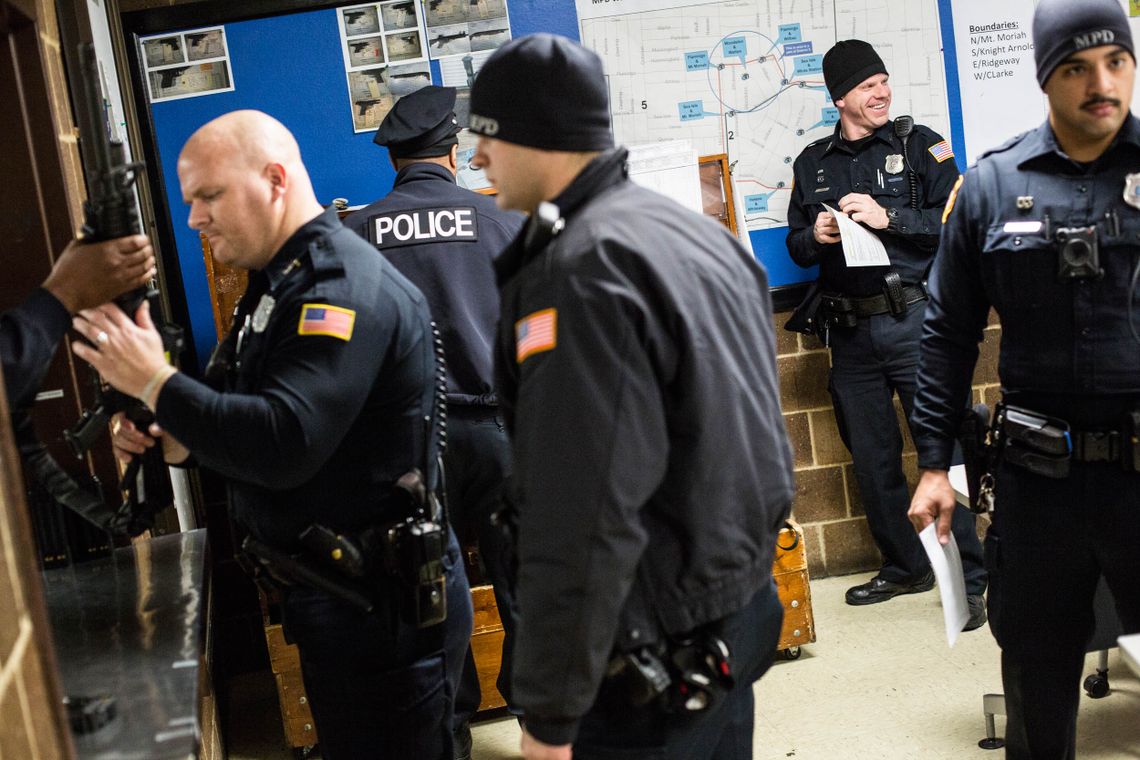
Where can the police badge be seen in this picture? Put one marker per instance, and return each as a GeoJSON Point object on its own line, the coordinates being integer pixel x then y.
{"type": "Point", "coordinates": [894, 163]}
{"type": "Point", "coordinates": [262, 312]}
{"type": "Point", "coordinates": [1132, 189]}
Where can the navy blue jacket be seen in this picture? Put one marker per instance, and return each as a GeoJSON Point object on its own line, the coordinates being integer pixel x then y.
{"type": "Point", "coordinates": [1058, 338]}
{"type": "Point", "coordinates": [29, 336]}
{"type": "Point", "coordinates": [636, 363]}
{"type": "Point", "coordinates": [444, 238]}
{"type": "Point", "coordinates": [829, 169]}
{"type": "Point", "coordinates": [323, 406]}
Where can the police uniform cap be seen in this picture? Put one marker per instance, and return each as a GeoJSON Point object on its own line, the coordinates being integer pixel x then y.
{"type": "Point", "coordinates": [543, 91]}
{"type": "Point", "coordinates": [422, 124]}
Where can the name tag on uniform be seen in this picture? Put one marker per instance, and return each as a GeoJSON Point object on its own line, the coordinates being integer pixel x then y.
{"type": "Point", "coordinates": [424, 226]}
{"type": "Point", "coordinates": [1022, 228]}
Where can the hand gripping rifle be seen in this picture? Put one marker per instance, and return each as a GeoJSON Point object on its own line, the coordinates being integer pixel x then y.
{"type": "Point", "coordinates": [109, 213]}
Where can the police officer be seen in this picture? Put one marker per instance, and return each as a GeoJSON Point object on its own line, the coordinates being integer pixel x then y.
{"type": "Point", "coordinates": [84, 275]}
{"type": "Point", "coordinates": [1044, 230]}
{"type": "Point", "coordinates": [324, 386]}
{"type": "Point", "coordinates": [635, 362]}
{"type": "Point", "coordinates": [444, 239]}
{"type": "Point", "coordinates": [892, 177]}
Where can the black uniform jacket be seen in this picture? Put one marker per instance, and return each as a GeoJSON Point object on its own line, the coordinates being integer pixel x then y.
{"type": "Point", "coordinates": [444, 238]}
{"type": "Point", "coordinates": [636, 369]}
{"type": "Point", "coordinates": [323, 407]}
{"type": "Point", "coordinates": [1060, 339]}
{"type": "Point", "coordinates": [29, 336]}
{"type": "Point", "coordinates": [830, 168]}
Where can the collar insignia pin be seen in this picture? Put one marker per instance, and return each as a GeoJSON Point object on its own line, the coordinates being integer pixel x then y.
{"type": "Point", "coordinates": [894, 163]}
{"type": "Point", "coordinates": [1025, 202]}
{"type": "Point", "coordinates": [1132, 189]}
{"type": "Point", "coordinates": [262, 312]}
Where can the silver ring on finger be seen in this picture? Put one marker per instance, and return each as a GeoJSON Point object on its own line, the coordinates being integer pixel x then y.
{"type": "Point", "coordinates": [101, 338]}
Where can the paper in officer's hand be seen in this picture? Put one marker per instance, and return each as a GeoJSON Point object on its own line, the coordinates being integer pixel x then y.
{"type": "Point", "coordinates": [861, 247]}
{"type": "Point", "coordinates": [947, 564]}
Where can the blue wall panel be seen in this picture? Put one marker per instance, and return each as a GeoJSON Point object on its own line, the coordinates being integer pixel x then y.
{"type": "Point", "coordinates": [291, 67]}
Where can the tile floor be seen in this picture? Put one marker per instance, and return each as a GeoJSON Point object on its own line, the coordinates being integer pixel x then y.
{"type": "Point", "coordinates": [880, 683]}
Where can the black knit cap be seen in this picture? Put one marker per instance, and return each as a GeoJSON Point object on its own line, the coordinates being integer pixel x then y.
{"type": "Point", "coordinates": [422, 124]}
{"type": "Point", "coordinates": [543, 91]}
{"type": "Point", "coordinates": [848, 63]}
{"type": "Point", "coordinates": [1064, 27]}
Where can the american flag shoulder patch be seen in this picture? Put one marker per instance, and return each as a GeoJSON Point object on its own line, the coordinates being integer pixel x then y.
{"type": "Point", "coordinates": [323, 319]}
{"type": "Point", "coordinates": [535, 333]}
{"type": "Point", "coordinates": [941, 151]}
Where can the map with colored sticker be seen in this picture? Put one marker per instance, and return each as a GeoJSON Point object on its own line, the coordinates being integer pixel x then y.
{"type": "Point", "coordinates": [745, 77]}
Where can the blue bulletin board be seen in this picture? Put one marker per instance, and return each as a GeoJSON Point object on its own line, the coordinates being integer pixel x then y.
{"type": "Point", "coordinates": [292, 67]}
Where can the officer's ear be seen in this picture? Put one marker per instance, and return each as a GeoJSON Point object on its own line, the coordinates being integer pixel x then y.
{"type": "Point", "coordinates": [277, 177]}
{"type": "Point", "coordinates": [453, 158]}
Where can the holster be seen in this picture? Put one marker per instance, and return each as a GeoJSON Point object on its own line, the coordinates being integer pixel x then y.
{"type": "Point", "coordinates": [1033, 441]}
{"type": "Point", "coordinates": [976, 452]}
{"type": "Point", "coordinates": [806, 318]}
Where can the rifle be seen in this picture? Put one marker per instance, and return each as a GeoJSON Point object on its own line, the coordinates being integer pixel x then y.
{"type": "Point", "coordinates": [109, 212]}
{"type": "Point", "coordinates": [443, 39]}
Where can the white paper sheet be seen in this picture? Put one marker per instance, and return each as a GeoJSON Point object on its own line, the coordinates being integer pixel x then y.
{"type": "Point", "coordinates": [947, 564]}
{"type": "Point", "coordinates": [861, 247]}
{"type": "Point", "coordinates": [670, 168]}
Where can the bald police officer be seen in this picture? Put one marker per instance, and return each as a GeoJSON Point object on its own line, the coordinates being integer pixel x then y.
{"type": "Point", "coordinates": [444, 239]}
{"type": "Point", "coordinates": [316, 410]}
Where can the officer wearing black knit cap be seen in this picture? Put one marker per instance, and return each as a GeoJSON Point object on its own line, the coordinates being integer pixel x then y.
{"type": "Point", "coordinates": [893, 178]}
{"type": "Point", "coordinates": [635, 362]}
{"type": "Point", "coordinates": [1043, 230]}
{"type": "Point", "coordinates": [444, 239]}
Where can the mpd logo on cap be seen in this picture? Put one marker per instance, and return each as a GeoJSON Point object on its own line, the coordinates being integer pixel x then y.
{"type": "Point", "coordinates": [1094, 39]}
{"type": "Point", "coordinates": [484, 125]}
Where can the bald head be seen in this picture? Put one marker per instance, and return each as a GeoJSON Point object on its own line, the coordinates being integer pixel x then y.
{"type": "Point", "coordinates": [250, 137]}
{"type": "Point", "coordinates": [246, 186]}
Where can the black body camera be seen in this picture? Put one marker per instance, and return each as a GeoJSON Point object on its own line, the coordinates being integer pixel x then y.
{"type": "Point", "coordinates": [1078, 254]}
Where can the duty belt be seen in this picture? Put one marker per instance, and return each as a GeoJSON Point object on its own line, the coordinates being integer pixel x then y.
{"type": "Point", "coordinates": [1045, 445]}
{"type": "Point", "coordinates": [875, 305]}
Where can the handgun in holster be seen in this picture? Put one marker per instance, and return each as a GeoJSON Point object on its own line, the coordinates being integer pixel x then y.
{"type": "Point", "coordinates": [973, 436]}
{"type": "Point", "coordinates": [409, 550]}
{"type": "Point", "coordinates": [1033, 441]}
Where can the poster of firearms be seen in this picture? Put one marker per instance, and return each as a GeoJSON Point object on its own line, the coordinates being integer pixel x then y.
{"type": "Point", "coordinates": [460, 27]}
{"type": "Point", "coordinates": [187, 64]}
{"type": "Point", "coordinates": [373, 92]}
{"type": "Point", "coordinates": [381, 33]}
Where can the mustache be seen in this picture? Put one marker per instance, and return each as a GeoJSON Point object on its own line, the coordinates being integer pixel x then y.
{"type": "Point", "coordinates": [1097, 100]}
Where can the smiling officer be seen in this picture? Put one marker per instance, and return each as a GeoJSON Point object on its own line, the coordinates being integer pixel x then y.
{"type": "Point", "coordinates": [893, 177]}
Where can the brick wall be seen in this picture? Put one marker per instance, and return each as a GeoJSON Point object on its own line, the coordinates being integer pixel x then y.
{"type": "Point", "coordinates": [827, 502]}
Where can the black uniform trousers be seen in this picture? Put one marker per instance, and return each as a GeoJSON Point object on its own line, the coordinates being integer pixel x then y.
{"type": "Point", "coordinates": [476, 462]}
{"type": "Point", "coordinates": [375, 691]}
{"type": "Point", "coordinates": [870, 363]}
{"type": "Point", "coordinates": [1050, 542]}
{"type": "Point", "coordinates": [612, 730]}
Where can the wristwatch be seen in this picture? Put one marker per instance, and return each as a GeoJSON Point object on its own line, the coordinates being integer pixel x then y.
{"type": "Point", "coordinates": [893, 219]}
